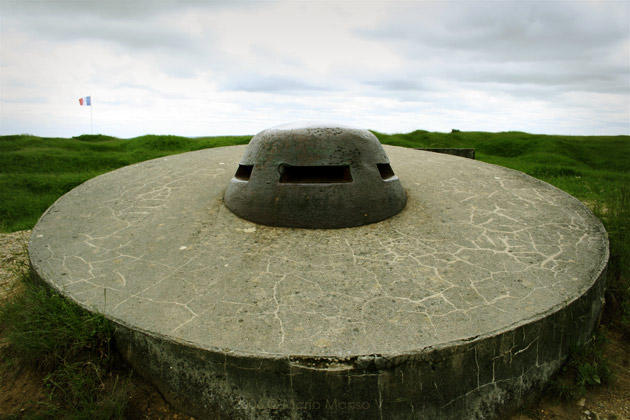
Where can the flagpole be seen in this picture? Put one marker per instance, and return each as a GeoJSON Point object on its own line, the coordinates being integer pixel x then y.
{"type": "Point", "coordinates": [87, 101]}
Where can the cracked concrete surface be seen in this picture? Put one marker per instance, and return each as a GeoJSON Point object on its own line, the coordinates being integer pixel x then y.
{"type": "Point", "coordinates": [480, 257]}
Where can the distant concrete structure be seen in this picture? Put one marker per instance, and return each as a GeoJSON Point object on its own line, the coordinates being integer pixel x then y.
{"type": "Point", "coordinates": [467, 153]}
{"type": "Point", "coordinates": [460, 306]}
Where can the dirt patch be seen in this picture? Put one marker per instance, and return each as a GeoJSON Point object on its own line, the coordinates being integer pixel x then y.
{"type": "Point", "coordinates": [145, 402]}
{"type": "Point", "coordinates": [13, 260]}
{"type": "Point", "coordinates": [22, 388]}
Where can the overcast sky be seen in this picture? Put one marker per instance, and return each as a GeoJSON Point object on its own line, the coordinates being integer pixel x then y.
{"type": "Point", "coordinates": [203, 67]}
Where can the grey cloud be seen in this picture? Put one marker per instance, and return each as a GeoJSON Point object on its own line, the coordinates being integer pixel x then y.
{"type": "Point", "coordinates": [530, 31]}
{"type": "Point", "coordinates": [128, 33]}
{"type": "Point", "coordinates": [526, 48]}
{"type": "Point", "coordinates": [551, 75]}
{"type": "Point", "coordinates": [139, 28]}
{"type": "Point", "coordinates": [271, 83]}
{"type": "Point", "coordinates": [125, 27]}
{"type": "Point", "coordinates": [558, 82]}
{"type": "Point", "coordinates": [396, 84]}
{"type": "Point", "coordinates": [512, 31]}
{"type": "Point", "coordinates": [115, 9]}
{"type": "Point", "coordinates": [133, 24]}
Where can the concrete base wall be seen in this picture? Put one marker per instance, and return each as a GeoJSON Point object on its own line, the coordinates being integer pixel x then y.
{"type": "Point", "coordinates": [479, 379]}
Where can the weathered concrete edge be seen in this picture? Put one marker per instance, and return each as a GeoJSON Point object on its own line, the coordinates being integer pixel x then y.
{"type": "Point", "coordinates": [475, 379]}
{"type": "Point", "coordinates": [478, 379]}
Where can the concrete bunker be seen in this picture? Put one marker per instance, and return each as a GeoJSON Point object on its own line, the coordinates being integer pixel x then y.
{"type": "Point", "coordinates": [459, 306]}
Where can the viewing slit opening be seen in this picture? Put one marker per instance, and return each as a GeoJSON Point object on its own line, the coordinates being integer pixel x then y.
{"type": "Point", "coordinates": [385, 170]}
{"type": "Point", "coordinates": [314, 174]}
{"type": "Point", "coordinates": [244, 172]}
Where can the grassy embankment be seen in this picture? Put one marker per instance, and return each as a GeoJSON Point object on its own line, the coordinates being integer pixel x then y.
{"type": "Point", "coordinates": [35, 171]}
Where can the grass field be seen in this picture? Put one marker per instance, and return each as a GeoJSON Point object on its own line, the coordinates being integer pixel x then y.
{"type": "Point", "coordinates": [35, 171]}
{"type": "Point", "coordinates": [585, 166]}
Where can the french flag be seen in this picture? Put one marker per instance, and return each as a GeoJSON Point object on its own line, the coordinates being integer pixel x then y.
{"type": "Point", "coordinates": [87, 101]}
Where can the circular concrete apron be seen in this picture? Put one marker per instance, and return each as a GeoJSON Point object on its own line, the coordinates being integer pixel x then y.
{"type": "Point", "coordinates": [457, 307]}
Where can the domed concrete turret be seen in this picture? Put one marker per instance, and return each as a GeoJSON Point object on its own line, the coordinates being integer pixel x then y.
{"type": "Point", "coordinates": [312, 175]}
